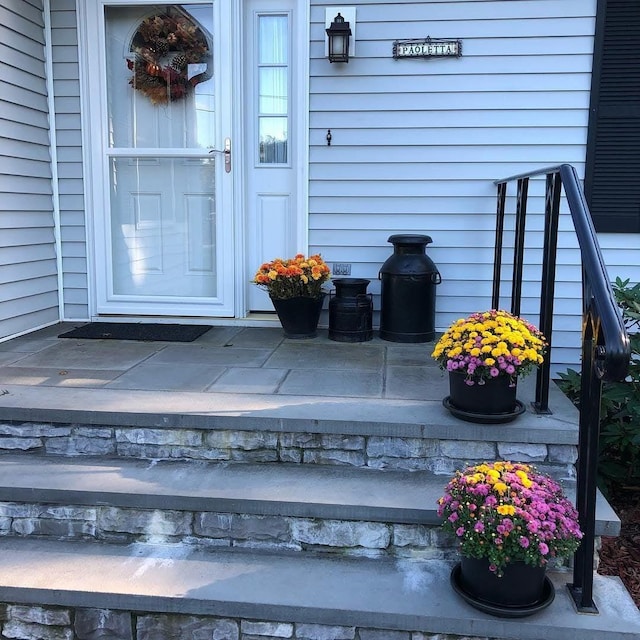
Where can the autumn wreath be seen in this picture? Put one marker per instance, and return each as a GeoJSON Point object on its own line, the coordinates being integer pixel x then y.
{"type": "Point", "coordinates": [171, 57]}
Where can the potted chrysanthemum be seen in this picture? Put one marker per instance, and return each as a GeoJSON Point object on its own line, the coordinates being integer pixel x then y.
{"type": "Point", "coordinates": [509, 520]}
{"type": "Point", "coordinates": [295, 288]}
{"type": "Point", "coordinates": [485, 354]}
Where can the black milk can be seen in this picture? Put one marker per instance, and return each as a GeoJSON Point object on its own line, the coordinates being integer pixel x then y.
{"type": "Point", "coordinates": [351, 311]}
{"type": "Point", "coordinates": [408, 296]}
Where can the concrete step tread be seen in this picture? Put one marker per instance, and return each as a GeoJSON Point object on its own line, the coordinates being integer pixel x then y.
{"type": "Point", "coordinates": [407, 594]}
{"type": "Point", "coordinates": [265, 412]}
{"type": "Point", "coordinates": [316, 491]}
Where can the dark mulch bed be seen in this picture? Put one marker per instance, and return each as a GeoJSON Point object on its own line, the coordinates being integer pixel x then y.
{"type": "Point", "coordinates": [621, 556]}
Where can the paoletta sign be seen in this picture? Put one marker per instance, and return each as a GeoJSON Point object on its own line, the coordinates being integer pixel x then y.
{"type": "Point", "coordinates": [427, 48]}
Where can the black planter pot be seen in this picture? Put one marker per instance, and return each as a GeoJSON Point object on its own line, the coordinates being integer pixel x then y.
{"type": "Point", "coordinates": [492, 402]}
{"type": "Point", "coordinates": [299, 316]}
{"type": "Point", "coordinates": [522, 589]}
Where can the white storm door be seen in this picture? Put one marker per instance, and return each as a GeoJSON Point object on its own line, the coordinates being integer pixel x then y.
{"type": "Point", "coordinates": [163, 215]}
{"type": "Point", "coordinates": [272, 123]}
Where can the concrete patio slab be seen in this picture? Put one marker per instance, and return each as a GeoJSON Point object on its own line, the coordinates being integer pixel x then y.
{"type": "Point", "coordinates": [336, 383]}
{"type": "Point", "coordinates": [202, 353]}
{"type": "Point", "coordinates": [410, 355]}
{"type": "Point", "coordinates": [90, 354]}
{"type": "Point", "coordinates": [151, 376]}
{"type": "Point", "coordinates": [327, 355]}
{"type": "Point", "coordinates": [239, 379]}
{"type": "Point", "coordinates": [8, 357]}
{"type": "Point", "coordinates": [257, 337]}
{"type": "Point", "coordinates": [58, 377]}
{"type": "Point", "coordinates": [416, 383]}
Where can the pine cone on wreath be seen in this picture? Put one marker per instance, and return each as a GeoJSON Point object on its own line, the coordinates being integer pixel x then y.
{"type": "Point", "coordinates": [179, 62]}
{"type": "Point", "coordinates": [161, 47]}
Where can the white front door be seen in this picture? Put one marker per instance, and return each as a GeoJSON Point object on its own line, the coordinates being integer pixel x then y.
{"type": "Point", "coordinates": [180, 225]}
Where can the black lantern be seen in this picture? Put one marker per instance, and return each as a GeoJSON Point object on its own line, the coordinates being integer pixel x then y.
{"type": "Point", "coordinates": [339, 33]}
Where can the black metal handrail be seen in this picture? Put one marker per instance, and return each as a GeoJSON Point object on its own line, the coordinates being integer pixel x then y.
{"type": "Point", "coordinates": [606, 348]}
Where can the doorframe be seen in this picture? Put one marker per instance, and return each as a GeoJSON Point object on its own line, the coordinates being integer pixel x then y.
{"type": "Point", "coordinates": [244, 265]}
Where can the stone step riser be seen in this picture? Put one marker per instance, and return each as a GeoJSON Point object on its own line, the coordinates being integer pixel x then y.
{"type": "Point", "coordinates": [211, 530]}
{"type": "Point", "coordinates": [63, 623]}
{"type": "Point", "coordinates": [437, 455]}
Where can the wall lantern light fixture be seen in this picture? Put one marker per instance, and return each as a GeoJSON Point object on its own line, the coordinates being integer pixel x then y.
{"type": "Point", "coordinates": [338, 35]}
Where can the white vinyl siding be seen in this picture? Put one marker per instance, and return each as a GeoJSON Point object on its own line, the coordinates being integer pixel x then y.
{"type": "Point", "coordinates": [64, 36]}
{"type": "Point", "coordinates": [416, 144]}
{"type": "Point", "coordinates": [28, 280]}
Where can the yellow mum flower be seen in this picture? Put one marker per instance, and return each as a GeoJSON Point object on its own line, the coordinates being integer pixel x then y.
{"type": "Point", "coordinates": [524, 478]}
{"type": "Point", "coordinates": [506, 510]}
{"type": "Point", "coordinates": [500, 487]}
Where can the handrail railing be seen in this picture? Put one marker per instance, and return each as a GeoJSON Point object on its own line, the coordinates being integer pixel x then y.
{"type": "Point", "coordinates": [605, 344]}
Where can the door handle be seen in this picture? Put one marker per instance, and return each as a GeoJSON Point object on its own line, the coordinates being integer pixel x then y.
{"type": "Point", "coordinates": [227, 154]}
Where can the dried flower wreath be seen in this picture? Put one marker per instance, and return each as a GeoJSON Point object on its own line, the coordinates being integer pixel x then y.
{"type": "Point", "coordinates": [166, 48]}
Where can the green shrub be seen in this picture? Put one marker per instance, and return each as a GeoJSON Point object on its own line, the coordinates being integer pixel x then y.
{"type": "Point", "coordinates": [619, 461]}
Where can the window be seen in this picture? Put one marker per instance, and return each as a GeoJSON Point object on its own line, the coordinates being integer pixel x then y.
{"type": "Point", "coordinates": [273, 88]}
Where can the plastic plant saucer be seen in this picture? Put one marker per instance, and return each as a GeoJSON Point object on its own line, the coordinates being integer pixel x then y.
{"type": "Point", "coordinates": [484, 418]}
{"type": "Point", "coordinates": [503, 611]}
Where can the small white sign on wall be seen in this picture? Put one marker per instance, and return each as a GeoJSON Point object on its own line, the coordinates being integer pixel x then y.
{"type": "Point", "coordinates": [349, 15]}
{"type": "Point", "coordinates": [427, 48]}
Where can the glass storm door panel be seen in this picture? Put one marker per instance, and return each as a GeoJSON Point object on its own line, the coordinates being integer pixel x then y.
{"type": "Point", "coordinates": [167, 247]}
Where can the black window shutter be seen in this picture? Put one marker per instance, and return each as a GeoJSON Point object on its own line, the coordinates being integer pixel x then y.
{"type": "Point", "coordinates": [612, 177]}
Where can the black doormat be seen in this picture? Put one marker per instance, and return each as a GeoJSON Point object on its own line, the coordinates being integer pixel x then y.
{"type": "Point", "coordinates": [137, 331]}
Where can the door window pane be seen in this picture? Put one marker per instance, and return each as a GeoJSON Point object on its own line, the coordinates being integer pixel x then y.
{"type": "Point", "coordinates": [273, 140]}
{"type": "Point", "coordinates": [163, 227]}
{"type": "Point", "coordinates": [273, 36]}
{"type": "Point", "coordinates": [273, 89]}
{"type": "Point", "coordinates": [160, 76]}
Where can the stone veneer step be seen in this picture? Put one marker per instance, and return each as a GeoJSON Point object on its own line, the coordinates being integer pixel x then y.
{"type": "Point", "coordinates": [303, 508]}
{"type": "Point", "coordinates": [372, 432]}
{"type": "Point", "coordinates": [381, 446]}
{"type": "Point", "coordinates": [287, 413]}
{"type": "Point", "coordinates": [267, 595]}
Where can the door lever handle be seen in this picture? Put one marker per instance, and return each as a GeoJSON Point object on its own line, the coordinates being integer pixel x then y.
{"type": "Point", "coordinates": [227, 154]}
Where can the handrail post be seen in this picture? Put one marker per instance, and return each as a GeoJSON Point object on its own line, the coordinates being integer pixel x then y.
{"type": "Point", "coordinates": [547, 288]}
{"type": "Point", "coordinates": [581, 588]}
{"type": "Point", "coordinates": [518, 247]}
{"type": "Point", "coordinates": [497, 256]}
